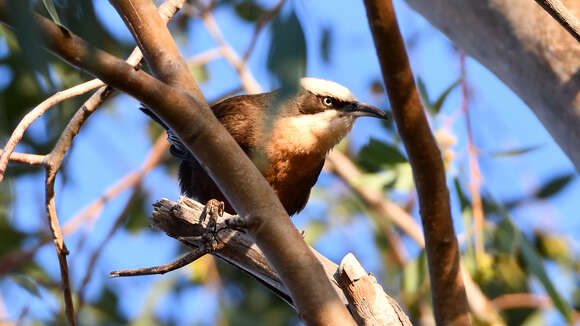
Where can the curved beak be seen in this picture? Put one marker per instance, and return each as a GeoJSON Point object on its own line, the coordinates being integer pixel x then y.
{"type": "Point", "coordinates": [359, 109]}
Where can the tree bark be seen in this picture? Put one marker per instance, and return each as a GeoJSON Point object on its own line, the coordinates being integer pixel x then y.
{"type": "Point", "coordinates": [524, 47]}
{"type": "Point", "coordinates": [447, 289]}
{"type": "Point", "coordinates": [192, 120]}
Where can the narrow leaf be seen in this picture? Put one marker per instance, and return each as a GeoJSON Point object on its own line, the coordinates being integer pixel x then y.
{"type": "Point", "coordinates": [515, 152]}
{"type": "Point", "coordinates": [287, 54]}
{"type": "Point", "coordinates": [436, 107]}
{"type": "Point", "coordinates": [554, 186]}
{"type": "Point", "coordinates": [536, 266]}
{"type": "Point", "coordinates": [424, 95]}
{"type": "Point", "coordinates": [377, 155]}
{"type": "Point", "coordinates": [49, 5]}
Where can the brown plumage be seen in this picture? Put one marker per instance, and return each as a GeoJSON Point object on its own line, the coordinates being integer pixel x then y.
{"type": "Point", "coordinates": [287, 140]}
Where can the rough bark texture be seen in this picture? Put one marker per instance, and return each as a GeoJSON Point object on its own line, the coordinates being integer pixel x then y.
{"type": "Point", "coordinates": [449, 299]}
{"type": "Point", "coordinates": [367, 301]}
{"type": "Point", "coordinates": [525, 48]}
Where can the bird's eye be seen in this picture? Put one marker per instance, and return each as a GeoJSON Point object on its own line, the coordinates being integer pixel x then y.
{"type": "Point", "coordinates": [327, 101]}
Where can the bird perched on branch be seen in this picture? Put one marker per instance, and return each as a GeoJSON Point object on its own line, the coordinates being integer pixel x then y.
{"type": "Point", "coordinates": [287, 139]}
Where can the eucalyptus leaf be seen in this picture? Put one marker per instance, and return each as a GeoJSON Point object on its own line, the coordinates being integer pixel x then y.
{"type": "Point", "coordinates": [436, 107]}
{"type": "Point", "coordinates": [378, 155]}
{"type": "Point", "coordinates": [554, 186]}
{"type": "Point", "coordinates": [424, 95]}
{"type": "Point", "coordinates": [49, 5]}
{"type": "Point", "coordinates": [515, 152]}
{"type": "Point", "coordinates": [325, 44]}
{"type": "Point", "coordinates": [287, 53]}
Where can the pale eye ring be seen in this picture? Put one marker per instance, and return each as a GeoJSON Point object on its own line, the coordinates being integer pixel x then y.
{"type": "Point", "coordinates": [327, 101]}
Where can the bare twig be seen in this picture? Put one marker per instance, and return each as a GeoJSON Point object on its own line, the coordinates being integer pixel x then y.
{"type": "Point", "coordinates": [262, 21]}
{"type": "Point", "coordinates": [38, 111]}
{"type": "Point", "coordinates": [182, 261]}
{"type": "Point", "coordinates": [248, 81]}
{"type": "Point", "coordinates": [562, 15]}
{"type": "Point", "coordinates": [474, 172]}
{"type": "Point", "coordinates": [341, 165]}
{"type": "Point", "coordinates": [130, 180]}
{"type": "Point", "coordinates": [31, 159]}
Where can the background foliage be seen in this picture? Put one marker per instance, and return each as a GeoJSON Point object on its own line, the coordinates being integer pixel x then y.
{"type": "Point", "coordinates": [527, 186]}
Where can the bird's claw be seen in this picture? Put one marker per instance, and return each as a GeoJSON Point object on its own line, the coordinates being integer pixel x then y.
{"type": "Point", "coordinates": [214, 209]}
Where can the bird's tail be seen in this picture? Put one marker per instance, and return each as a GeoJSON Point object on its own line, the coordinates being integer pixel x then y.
{"type": "Point", "coordinates": [177, 149]}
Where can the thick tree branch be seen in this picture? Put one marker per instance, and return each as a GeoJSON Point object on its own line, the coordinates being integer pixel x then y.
{"type": "Point", "coordinates": [449, 300]}
{"type": "Point", "coordinates": [524, 47]}
{"type": "Point", "coordinates": [562, 15]}
{"type": "Point", "coordinates": [234, 173]}
{"type": "Point", "coordinates": [188, 222]}
{"type": "Point", "coordinates": [344, 168]}
{"type": "Point", "coordinates": [245, 187]}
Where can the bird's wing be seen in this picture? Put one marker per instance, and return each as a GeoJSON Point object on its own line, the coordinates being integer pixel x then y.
{"type": "Point", "coordinates": [177, 149]}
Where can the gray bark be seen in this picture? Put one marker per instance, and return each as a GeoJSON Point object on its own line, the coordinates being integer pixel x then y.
{"type": "Point", "coordinates": [524, 47]}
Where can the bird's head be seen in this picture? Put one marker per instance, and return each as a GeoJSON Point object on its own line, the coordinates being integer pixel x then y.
{"type": "Point", "coordinates": [323, 96]}
{"type": "Point", "coordinates": [319, 116]}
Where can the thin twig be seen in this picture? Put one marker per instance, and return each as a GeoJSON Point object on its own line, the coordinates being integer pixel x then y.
{"type": "Point", "coordinates": [55, 157]}
{"type": "Point", "coordinates": [37, 112]}
{"type": "Point", "coordinates": [262, 21]}
{"type": "Point", "coordinates": [97, 252]}
{"type": "Point", "coordinates": [182, 261]}
{"type": "Point", "coordinates": [562, 15]}
{"type": "Point", "coordinates": [25, 158]}
{"type": "Point", "coordinates": [248, 81]}
{"type": "Point", "coordinates": [474, 171]}
{"type": "Point", "coordinates": [130, 180]}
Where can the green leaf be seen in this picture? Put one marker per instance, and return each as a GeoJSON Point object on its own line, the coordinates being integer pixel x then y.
{"type": "Point", "coordinates": [137, 216]}
{"type": "Point", "coordinates": [200, 73]}
{"type": "Point", "coordinates": [376, 181]}
{"type": "Point", "coordinates": [436, 107]}
{"type": "Point", "coordinates": [514, 152]}
{"type": "Point", "coordinates": [554, 186]}
{"type": "Point", "coordinates": [378, 155]}
{"type": "Point", "coordinates": [536, 266]}
{"type": "Point", "coordinates": [424, 95]}
{"type": "Point", "coordinates": [26, 283]}
{"type": "Point", "coordinates": [49, 5]}
{"type": "Point", "coordinates": [249, 10]}
{"type": "Point", "coordinates": [325, 44]}
{"type": "Point", "coordinates": [464, 202]}
{"type": "Point", "coordinates": [415, 274]}
{"type": "Point", "coordinates": [533, 260]}
{"type": "Point", "coordinates": [287, 53]}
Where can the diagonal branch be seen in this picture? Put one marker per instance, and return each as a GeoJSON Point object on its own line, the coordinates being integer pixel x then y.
{"type": "Point", "coordinates": [345, 169]}
{"type": "Point", "coordinates": [233, 172]}
{"type": "Point", "coordinates": [449, 299]}
{"type": "Point", "coordinates": [562, 15]}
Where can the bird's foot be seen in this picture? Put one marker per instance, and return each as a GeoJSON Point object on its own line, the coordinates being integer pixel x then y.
{"type": "Point", "coordinates": [214, 209]}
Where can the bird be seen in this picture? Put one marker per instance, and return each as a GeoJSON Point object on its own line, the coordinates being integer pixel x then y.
{"type": "Point", "coordinates": [287, 138]}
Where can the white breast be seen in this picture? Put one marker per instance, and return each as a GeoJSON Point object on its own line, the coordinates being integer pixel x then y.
{"type": "Point", "coordinates": [310, 133]}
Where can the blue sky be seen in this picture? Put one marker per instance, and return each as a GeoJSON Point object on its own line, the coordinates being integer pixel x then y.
{"type": "Point", "coordinates": [113, 142]}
